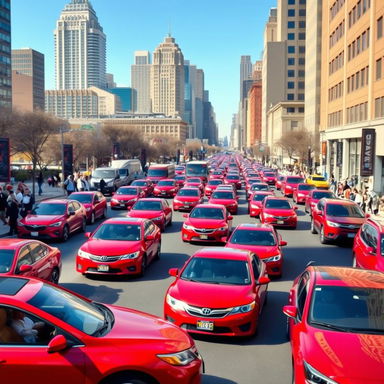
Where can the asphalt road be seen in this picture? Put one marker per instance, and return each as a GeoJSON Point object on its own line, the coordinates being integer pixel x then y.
{"type": "Point", "coordinates": [266, 357]}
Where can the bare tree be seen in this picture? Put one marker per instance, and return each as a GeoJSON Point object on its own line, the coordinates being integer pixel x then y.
{"type": "Point", "coordinates": [6, 121]}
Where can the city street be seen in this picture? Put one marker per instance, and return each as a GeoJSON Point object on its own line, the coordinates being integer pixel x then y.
{"type": "Point", "coordinates": [227, 361]}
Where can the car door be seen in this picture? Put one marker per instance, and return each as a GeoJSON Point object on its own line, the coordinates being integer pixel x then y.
{"type": "Point", "coordinates": [71, 217]}
{"type": "Point", "coordinates": [368, 239]}
{"type": "Point", "coordinates": [24, 257]}
{"type": "Point", "coordinates": [260, 289]}
{"type": "Point", "coordinates": [24, 362]}
{"type": "Point", "coordinates": [78, 214]}
{"type": "Point", "coordinates": [96, 205]}
{"type": "Point", "coordinates": [150, 245]}
{"type": "Point", "coordinates": [317, 214]}
{"type": "Point", "coordinates": [42, 263]}
{"type": "Point", "coordinates": [102, 205]}
{"type": "Point", "coordinates": [167, 211]}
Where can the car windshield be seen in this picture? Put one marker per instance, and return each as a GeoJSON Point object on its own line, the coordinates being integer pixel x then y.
{"type": "Point", "coordinates": [352, 309]}
{"type": "Point", "coordinates": [269, 175]}
{"type": "Point", "coordinates": [180, 177]}
{"type": "Point", "coordinates": [295, 180]}
{"type": "Point", "coordinates": [320, 195]}
{"type": "Point", "coordinates": [259, 187]}
{"type": "Point", "coordinates": [188, 192]}
{"type": "Point", "coordinates": [217, 271]}
{"type": "Point", "coordinates": [279, 204]}
{"type": "Point", "coordinates": [50, 209]}
{"type": "Point", "coordinates": [6, 260]}
{"type": "Point", "coordinates": [80, 314]}
{"type": "Point", "coordinates": [143, 205]}
{"type": "Point", "coordinates": [118, 232]}
{"type": "Point", "coordinates": [305, 187]}
{"type": "Point", "coordinates": [207, 213]}
{"type": "Point", "coordinates": [126, 191]}
{"type": "Point", "coordinates": [193, 180]}
{"type": "Point", "coordinates": [222, 195]}
{"type": "Point", "coordinates": [82, 198]}
{"type": "Point", "coordinates": [103, 173]}
{"type": "Point", "coordinates": [166, 183]}
{"type": "Point", "coordinates": [347, 210]}
{"type": "Point", "coordinates": [158, 172]}
{"type": "Point", "coordinates": [232, 177]}
{"type": "Point", "coordinates": [139, 183]}
{"type": "Point", "coordinates": [215, 182]}
{"type": "Point", "coordinates": [318, 178]}
{"type": "Point", "coordinates": [250, 237]}
{"type": "Point", "coordinates": [259, 197]}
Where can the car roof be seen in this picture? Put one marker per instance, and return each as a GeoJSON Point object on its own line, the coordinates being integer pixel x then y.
{"type": "Point", "coordinates": [338, 201]}
{"type": "Point", "coordinates": [166, 180]}
{"type": "Point", "coordinates": [273, 197]}
{"type": "Point", "coordinates": [124, 220]}
{"type": "Point", "coordinates": [378, 221]}
{"type": "Point", "coordinates": [255, 227]}
{"type": "Point", "coordinates": [13, 243]}
{"type": "Point", "coordinates": [223, 253]}
{"type": "Point", "coordinates": [83, 193]}
{"type": "Point", "coordinates": [151, 199]}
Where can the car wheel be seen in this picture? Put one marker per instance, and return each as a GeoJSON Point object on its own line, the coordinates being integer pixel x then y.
{"type": "Point", "coordinates": [83, 225]}
{"type": "Point", "coordinates": [130, 378]}
{"type": "Point", "coordinates": [92, 220]}
{"type": "Point", "coordinates": [104, 216]}
{"type": "Point", "coordinates": [323, 239]}
{"type": "Point", "coordinates": [65, 234]}
{"type": "Point", "coordinates": [55, 276]}
{"type": "Point", "coordinates": [143, 265]}
{"type": "Point", "coordinates": [313, 229]}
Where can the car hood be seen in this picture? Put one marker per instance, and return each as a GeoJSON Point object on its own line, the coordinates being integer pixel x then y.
{"type": "Point", "coordinates": [110, 247]}
{"type": "Point", "coordinates": [144, 214]}
{"type": "Point", "coordinates": [211, 295]}
{"type": "Point", "coordinates": [335, 354]}
{"type": "Point", "coordinates": [42, 219]}
{"type": "Point", "coordinates": [222, 201]}
{"type": "Point", "coordinates": [165, 187]}
{"type": "Point", "coordinates": [125, 197]}
{"type": "Point", "coordinates": [187, 198]}
{"type": "Point", "coordinates": [205, 223]}
{"type": "Point", "coordinates": [261, 250]}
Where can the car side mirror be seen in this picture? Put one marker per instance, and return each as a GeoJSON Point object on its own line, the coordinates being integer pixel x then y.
{"type": "Point", "coordinates": [57, 344]}
{"type": "Point", "coordinates": [263, 280]}
{"type": "Point", "coordinates": [230, 217]}
{"type": "Point", "coordinates": [25, 268]}
{"type": "Point", "coordinates": [367, 215]}
{"type": "Point", "coordinates": [173, 272]}
{"type": "Point", "coordinates": [87, 234]}
{"type": "Point", "coordinates": [371, 251]}
{"type": "Point", "coordinates": [283, 243]}
{"type": "Point", "coordinates": [290, 311]}
{"type": "Point", "coordinates": [320, 213]}
{"type": "Point", "coordinates": [129, 207]}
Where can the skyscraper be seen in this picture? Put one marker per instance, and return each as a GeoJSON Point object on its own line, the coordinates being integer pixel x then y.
{"type": "Point", "coordinates": [80, 48]}
{"type": "Point", "coordinates": [140, 82]}
{"type": "Point", "coordinates": [167, 79]}
{"type": "Point", "coordinates": [245, 74]}
{"type": "Point", "coordinates": [5, 54]}
{"type": "Point", "coordinates": [28, 84]}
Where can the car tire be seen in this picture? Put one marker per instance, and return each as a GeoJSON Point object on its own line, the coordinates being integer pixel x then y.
{"type": "Point", "coordinates": [170, 221]}
{"type": "Point", "coordinates": [65, 234]}
{"type": "Point", "coordinates": [92, 219]}
{"type": "Point", "coordinates": [323, 239]}
{"type": "Point", "coordinates": [129, 378]}
{"type": "Point", "coordinates": [313, 228]}
{"type": "Point", "coordinates": [55, 276]}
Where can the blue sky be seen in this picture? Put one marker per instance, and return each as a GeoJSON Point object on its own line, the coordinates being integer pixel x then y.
{"type": "Point", "coordinates": [212, 34]}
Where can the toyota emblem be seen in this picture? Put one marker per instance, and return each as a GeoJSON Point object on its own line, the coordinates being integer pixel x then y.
{"type": "Point", "coordinates": [206, 311]}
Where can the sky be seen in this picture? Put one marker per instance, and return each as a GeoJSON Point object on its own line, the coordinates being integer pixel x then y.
{"type": "Point", "coordinates": [212, 34]}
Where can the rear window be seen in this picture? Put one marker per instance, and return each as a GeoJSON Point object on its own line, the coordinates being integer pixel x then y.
{"type": "Point", "coordinates": [126, 191]}
{"type": "Point", "coordinates": [320, 195]}
{"type": "Point", "coordinates": [6, 260]}
{"type": "Point", "coordinates": [222, 195]}
{"type": "Point", "coordinates": [250, 237]}
{"type": "Point", "coordinates": [259, 197]}
{"type": "Point", "coordinates": [188, 192]}
{"type": "Point", "coordinates": [295, 180]}
{"type": "Point", "coordinates": [166, 183]}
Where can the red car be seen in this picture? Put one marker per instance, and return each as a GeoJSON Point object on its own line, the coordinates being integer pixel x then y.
{"type": "Point", "coordinates": [157, 210]}
{"type": "Point", "coordinates": [166, 188]}
{"type": "Point", "coordinates": [216, 175]}
{"type": "Point", "coordinates": [54, 219]}
{"type": "Point", "coordinates": [269, 178]}
{"type": "Point", "coordinates": [279, 181]}
{"type": "Point", "coordinates": [290, 184]}
{"type": "Point", "coordinates": [94, 202]}
{"type": "Point", "coordinates": [278, 211]}
{"type": "Point", "coordinates": [262, 240]}
{"type": "Point", "coordinates": [211, 186]}
{"type": "Point", "coordinates": [336, 219]}
{"type": "Point", "coordinates": [314, 196]}
{"type": "Point", "coordinates": [336, 327]}
{"type": "Point", "coordinates": [368, 245]}
{"type": "Point", "coordinates": [79, 340]}
{"type": "Point", "coordinates": [180, 170]}
{"type": "Point", "coordinates": [120, 246]}
{"type": "Point", "coordinates": [218, 291]}
{"type": "Point", "coordinates": [226, 198]}
{"type": "Point", "coordinates": [145, 185]}
{"type": "Point", "coordinates": [250, 181]}
{"type": "Point", "coordinates": [255, 202]}
{"type": "Point", "coordinates": [30, 258]}
{"type": "Point", "coordinates": [125, 197]}
{"type": "Point", "coordinates": [207, 223]}
{"type": "Point", "coordinates": [257, 187]}
{"type": "Point", "coordinates": [301, 192]}
{"type": "Point", "coordinates": [186, 199]}
{"type": "Point", "coordinates": [180, 180]}
{"type": "Point", "coordinates": [195, 182]}
{"type": "Point", "coordinates": [233, 179]}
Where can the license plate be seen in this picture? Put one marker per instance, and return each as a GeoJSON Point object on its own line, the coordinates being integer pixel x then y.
{"type": "Point", "coordinates": [103, 268]}
{"type": "Point", "coordinates": [122, 205]}
{"type": "Point", "coordinates": [351, 235]}
{"type": "Point", "coordinates": [204, 237]}
{"type": "Point", "coordinates": [280, 221]}
{"type": "Point", "coordinates": [186, 206]}
{"type": "Point", "coordinates": [163, 193]}
{"type": "Point", "coordinates": [204, 325]}
{"type": "Point", "coordinates": [34, 233]}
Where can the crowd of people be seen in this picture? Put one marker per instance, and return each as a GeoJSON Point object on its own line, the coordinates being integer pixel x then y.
{"type": "Point", "coordinates": [76, 183]}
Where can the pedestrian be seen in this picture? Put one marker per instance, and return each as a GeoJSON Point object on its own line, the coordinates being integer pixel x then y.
{"type": "Point", "coordinates": [27, 203]}
{"type": "Point", "coordinates": [381, 206]}
{"type": "Point", "coordinates": [102, 186]}
{"type": "Point", "coordinates": [19, 195]}
{"type": "Point", "coordinates": [80, 184]}
{"type": "Point", "coordinates": [40, 181]}
{"type": "Point", "coordinates": [373, 202]}
{"type": "Point", "coordinates": [69, 185]}
{"type": "Point", "coordinates": [12, 213]}
{"type": "Point", "coordinates": [50, 181]}
{"type": "Point", "coordinates": [86, 184]}
{"type": "Point", "coordinates": [3, 205]}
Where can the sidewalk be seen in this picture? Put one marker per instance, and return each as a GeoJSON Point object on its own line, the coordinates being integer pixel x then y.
{"type": "Point", "coordinates": [48, 193]}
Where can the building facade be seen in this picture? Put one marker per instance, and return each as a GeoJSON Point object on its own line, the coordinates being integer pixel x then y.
{"type": "Point", "coordinates": [80, 48]}
{"type": "Point", "coordinates": [352, 91]}
{"type": "Point", "coordinates": [5, 54]}
{"type": "Point", "coordinates": [140, 82]}
{"type": "Point", "coordinates": [125, 96]}
{"type": "Point", "coordinates": [28, 84]}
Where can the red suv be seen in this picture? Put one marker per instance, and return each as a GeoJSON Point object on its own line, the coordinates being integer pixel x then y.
{"type": "Point", "coordinates": [336, 219]}
{"type": "Point", "coordinates": [314, 196]}
{"type": "Point", "coordinates": [368, 246]}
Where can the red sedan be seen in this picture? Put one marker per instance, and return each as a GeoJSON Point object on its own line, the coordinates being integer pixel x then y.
{"type": "Point", "coordinates": [120, 246]}
{"type": "Point", "coordinates": [195, 182]}
{"type": "Point", "coordinates": [233, 179]}
{"type": "Point", "coordinates": [180, 180]}
{"type": "Point", "coordinates": [157, 210]}
{"type": "Point", "coordinates": [301, 193]}
{"type": "Point", "coordinates": [314, 197]}
{"type": "Point", "coordinates": [166, 188]}
{"type": "Point", "coordinates": [78, 340]}
{"type": "Point", "coordinates": [30, 258]}
{"type": "Point", "coordinates": [216, 175]}
{"type": "Point", "coordinates": [54, 219]}
{"type": "Point", "coordinates": [336, 326]}
{"type": "Point", "coordinates": [211, 186]}
{"type": "Point", "coordinates": [269, 178]}
{"type": "Point", "coordinates": [226, 198]}
{"type": "Point", "coordinates": [290, 184]}
{"type": "Point", "coordinates": [186, 199]}
{"type": "Point", "coordinates": [278, 211]}
{"type": "Point", "coordinates": [257, 187]}
{"type": "Point", "coordinates": [280, 181]}
{"type": "Point", "coordinates": [255, 202]}
{"type": "Point", "coordinates": [94, 202]}
{"type": "Point", "coordinates": [218, 291]}
{"type": "Point", "coordinates": [207, 223]}
{"type": "Point", "coordinates": [145, 184]}
{"type": "Point", "coordinates": [125, 197]}
{"type": "Point", "coordinates": [263, 240]}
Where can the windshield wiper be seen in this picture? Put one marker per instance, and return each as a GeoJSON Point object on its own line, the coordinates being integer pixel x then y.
{"type": "Point", "coordinates": [330, 326]}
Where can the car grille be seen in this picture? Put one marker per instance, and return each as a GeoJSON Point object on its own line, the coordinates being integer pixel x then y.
{"type": "Point", "coordinates": [35, 227]}
{"type": "Point", "coordinates": [105, 259]}
{"type": "Point", "coordinates": [349, 226]}
{"type": "Point", "coordinates": [203, 312]}
{"type": "Point", "coordinates": [204, 230]}
{"type": "Point", "coordinates": [281, 217]}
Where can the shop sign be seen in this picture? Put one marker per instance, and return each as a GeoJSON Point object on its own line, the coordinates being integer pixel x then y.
{"type": "Point", "coordinates": [368, 151]}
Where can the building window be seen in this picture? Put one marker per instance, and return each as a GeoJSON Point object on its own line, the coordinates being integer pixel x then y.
{"type": "Point", "coordinates": [303, 2]}
{"type": "Point", "coordinates": [291, 2]}
{"type": "Point", "coordinates": [302, 49]}
{"type": "Point", "coordinates": [290, 96]}
{"type": "Point", "coordinates": [291, 85]}
{"type": "Point", "coordinates": [302, 36]}
{"type": "Point", "coordinates": [379, 107]}
{"type": "Point", "coordinates": [291, 61]}
{"type": "Point", "coordinates": [302, 12]}
{"type": "Point", "coordinates": [301, 110]}
{"type": "Point", "coordinates": [290, 110]}
{"type": "Point", "coordinates": [301, 61]}
{"type": "Point", "coordinates": [301, 24]}
{"type": "Point", "coordinates": [301, 85]}
{"type": "Point", "coordinates": [291, 36]}
{"type": "Point", "coordinates": [291, 73]}
{"type": "Point", "coordinates": [301, 73]}
{"type": "Point", "coordinates": [291, 24]}
{"type": "Point", "coordinates": [294, 124]}
{"type": "Point", "coordinates": [291, 13]}
{"type": "Point", "coordinates": [378, 69]}
{"type": "Point", "coordinates": [300, 96]}
{"type": "Point", "coordinates": [379, 27]}
{"type": "Point", "coordinates": [291, 49]}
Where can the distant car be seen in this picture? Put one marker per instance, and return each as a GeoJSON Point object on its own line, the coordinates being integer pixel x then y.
{"type": "Point", "coordinates": [263, 240]}
{"type": "Point", "coordinates": [314, 196]}
{"type": "Point", "coordinates": [180, 180]}
{"type": "Point", "coordinates": [335, 325]}
{"type": "Point", "coordinates": [216, 175]}
{"type": "Point", "coordinates": [233, 179]}
{"type": "Point", "coordinates": [157, 210]}
{"type": "Point", "coordinates": [278, 211]}
{"type": "Point", "coordinates": [145, 185]}
{"type": "Point", "coordinates": [94, 202]}
{"type": "Point", "coordinates": [30, 258]}
{"type": "Point", "coordinates": [318, 181]}
{"type": "Point", "coordinates": [180, 170]}
{"type": "Point", "coordinates": [290, 184]}
{"type": "Point", "coordinates": [257, 187]}
{"type": "Point", "coordinates": [211, 186]}
{"type": "Point", "coordinates": [301, 192]}
{"type": "Point", "coordinates": [78, 340]}
{"type": "Point", "coordinates": [195, 182]}
{"type": "Point", "coordinates": [187, 198]}
{"type": "Point", "coordinates": [166, 188]}
{"type": "Point", "coordinates": [255, 202]}
{"type": "Point", "coordinates": [269, 178]}
{"type": "Point", "coordinates": [279, 181]}
{"type": "Point", "coordinates": [125, 197]}
{"type": "Point", "coordinates": [226, 198]}
{"type": "Point", "coordinates": [120, 246]}
{"type": "Point", "coordinates": [53, 219]}
{"type": "Point", "coordinates": [219, 291]}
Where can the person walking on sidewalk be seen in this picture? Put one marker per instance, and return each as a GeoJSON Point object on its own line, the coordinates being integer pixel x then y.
{"type": "Point", "coordinates": [3, 205]}
{"type": "Point", "coordinates": [27, 203]}
{"type": "Point", "coordinates": [40, 181]}
{"type": "Point", "coordinates": [12, 213]}
{"type": "Point", "coordinates": [69, 185]}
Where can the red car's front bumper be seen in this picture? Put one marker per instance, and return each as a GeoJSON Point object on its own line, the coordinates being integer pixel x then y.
{"type": "Point", "coordinates": [204, 235]}
{"type": "Point", "coordinates": [41, 232]}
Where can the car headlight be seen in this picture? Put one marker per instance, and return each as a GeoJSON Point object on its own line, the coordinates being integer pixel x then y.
{"type": "Point", "coordinates": [57, 224]}
{"type": "Point", "coordinates": [222, 228]}
{"type": "Point", "coordinates": [315, 377]}
{"type": "Point", "coordinates": [180, 358]}
{"type": "Point", "coordinates": [272, 258]}
{"type": "Point", "coordinates": [156, 190]}
{"type": "Point", "coordinates": [131, 200]}
{"type": "Point", "coordinates": [268, 215]}
{"type": "Point", "coordinates": [332, 224]}
{"type": "Point", "coordinates": [157, 218]}
{"type": "Point", "coordinates": [129, 256]}
{"type": "Point", "coordinates": [185, 226]}
{"type": "Point", "coordinates": [84, 254]}
{"type": "Point", "coordinates": [174, 303]}
{"type": "Point", "coordinates": [115, 200]}
{"type": "Point", "coordinates": [243, 308]}
{"type": "Point", "coordinates": [177, 201]}
{"type": "Point", "coordinates": [172, 190]}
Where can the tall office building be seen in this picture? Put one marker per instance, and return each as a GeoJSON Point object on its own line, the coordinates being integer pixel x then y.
{"type": "Point", "coordinates": [167, 79]}
{"type": "Point", "coordinates": [245, 74]}
{"type": "Point", "coordinates": [80, 48]}
{"type": "Point", "coordinates": [28, 84]}
{"type": "Point", "coordinates": [140, 82]}
{"type": "Point", "coordinates": [5, 54]}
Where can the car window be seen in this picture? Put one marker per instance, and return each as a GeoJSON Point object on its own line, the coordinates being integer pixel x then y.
{"type": "Point", "coordinates": [71, 207]}
{"type": "Point", "coordinates": [371, 237]}
{"type": "Point", "coordinates": [302, 292]}
{"type": "Point", "coordinates": [251, 237]}
{"type": "Point", "coordinates": [24, 257]}
{"type": "Point", "coordinates": [38, 251]}
{"type": "Point", "coordinates": [256, 267]}
{"type": "Point", "coordinates": [151, 227]}
{"type": "Point", "coordinates": [165, 203]}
